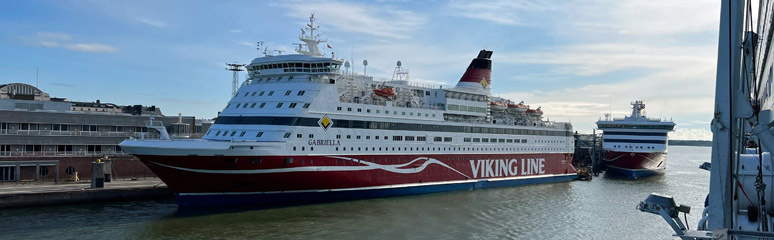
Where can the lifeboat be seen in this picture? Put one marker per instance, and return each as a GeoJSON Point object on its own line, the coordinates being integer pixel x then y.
{"type": "Point", "coordinates": [518, 108]}
{"type": "Point", "coordinates": [497, 106]}
{"type": "Point", "coordinates": [535, 112]}
{"type": "Point", "coordinates": [387, 92]}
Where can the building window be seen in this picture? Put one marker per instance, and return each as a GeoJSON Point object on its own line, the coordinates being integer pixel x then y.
{"type": "Point", "coordinates": [271, 93]}
{"type": "Point", "coordinates": [306, 105]}
{"type": "Point", "coordinates": [253, 105]}
{"type": "Point", "coordinates": [242, 134]}
{"type": "Point", "coordinates": [259, 134]}
{"type": "Point", "coordinates": [279, 105]}
{"type": "Point", "coordinates": [288, 93]}
{"type": "Point", "coordinates": [233, 133]}
{"type": "Point", "coordinates": [253, 95]}
{"type": "Point", "coordinates": [300, 93]}
{"type": "Point", "coordinates": [262, 105]}
{"type": "Point", "coordinates": [261, 94]}
{"type": "Point", "coordinates": [311, 135]}
{"type": "Point", "coordinates": [287, 135]}
{"type": "Point", "coordinates": [299, 135]}
{"type": "Point", "coordinates": [246, 94]}
{"type": "Point", "coordinates": [292, 105]}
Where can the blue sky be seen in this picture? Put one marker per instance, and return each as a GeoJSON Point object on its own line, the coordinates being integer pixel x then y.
{"type": "Point", "coordinates": [576, 59]}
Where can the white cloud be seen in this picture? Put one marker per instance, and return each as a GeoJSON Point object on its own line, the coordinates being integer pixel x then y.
{"type": "Point", "coordinates": [249, 44]}
{"type": "Point", "coordinates": [691, 134]}
{"type": "Point", "coordinates": [507, 12]}
{"type": "Point", "coordinates": [669, 59]}
{"type": "Point", "coordinates": [53, 36]}
{"type": "Point", "coordinates": [90, 47]}
{"type": "Point", "coordinates": [60, 40]}
{"type": "Point", "coordinates": [235, 31]}
{"type": "Point", "coordinates": [152, 22]}
{"type": "Point", "coordinates": [376, 20]}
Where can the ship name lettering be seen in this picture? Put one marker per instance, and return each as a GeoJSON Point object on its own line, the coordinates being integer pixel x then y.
{"type": "Point", "coordinates": [326, 142]}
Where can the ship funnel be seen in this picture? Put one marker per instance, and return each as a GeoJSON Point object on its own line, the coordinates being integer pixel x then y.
{"type": "Point", "coordinates": [479, 72]}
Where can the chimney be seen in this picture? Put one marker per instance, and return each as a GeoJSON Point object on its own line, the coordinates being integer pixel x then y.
{"type": "Point", "coordinates": [479, 73]}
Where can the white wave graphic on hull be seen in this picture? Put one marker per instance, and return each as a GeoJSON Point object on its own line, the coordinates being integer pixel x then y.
{"type": "Point", "coordinates": [369, 166]}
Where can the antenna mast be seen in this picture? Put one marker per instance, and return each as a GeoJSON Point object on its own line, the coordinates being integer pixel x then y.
{"type": "Point", "coordinates": [235, 68]}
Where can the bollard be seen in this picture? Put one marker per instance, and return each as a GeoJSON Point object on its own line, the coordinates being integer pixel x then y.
{"type": "Point", "coordinates": [97, 174]}
{"type": "Point", "coordinates": [108, 169]}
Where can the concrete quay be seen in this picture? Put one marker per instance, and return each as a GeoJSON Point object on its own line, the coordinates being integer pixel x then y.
{"type": "Point", "coordinates": [43, 194]}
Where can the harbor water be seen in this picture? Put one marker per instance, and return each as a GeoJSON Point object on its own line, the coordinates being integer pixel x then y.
{"type": "Point", "coordinates": [600, 209]}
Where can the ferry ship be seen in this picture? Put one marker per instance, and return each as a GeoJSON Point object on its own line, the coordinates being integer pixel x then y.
{"type": "Point", "coordinates": [301, 129]}
{"type": "Point", "coordinates": [635, 146]}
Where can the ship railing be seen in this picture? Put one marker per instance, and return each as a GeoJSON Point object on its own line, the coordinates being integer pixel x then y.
{"type": "Point", "coordinates": [367, 101]}
{"type": "Point", "coordinates": [407, 83]}
{"type": "Point", "coordinates": [70, 133]}
{"type": "Point", "coordinates": [81, 153]}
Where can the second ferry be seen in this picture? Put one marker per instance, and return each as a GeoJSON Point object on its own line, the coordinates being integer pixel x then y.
{"type": "Point", "coordinates": [301, 129]}
{"type": "Point", "coordinates": [635, 146]}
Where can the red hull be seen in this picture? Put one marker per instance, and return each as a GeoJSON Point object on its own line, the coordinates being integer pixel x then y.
{"type": "Point", "coordinates": [223, 174]}
{"type": "Point", "coordinates": [636, 160]}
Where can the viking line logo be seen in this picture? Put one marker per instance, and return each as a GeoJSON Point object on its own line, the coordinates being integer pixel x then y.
{"type": "Point", "coordinates": [325, 122]}
{"type": "Point", "coordinates": [506, 168]}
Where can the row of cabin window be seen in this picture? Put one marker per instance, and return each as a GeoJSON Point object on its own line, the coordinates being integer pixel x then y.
{"type": "Point", "coordinates": [287, 93]}
{"type": "Point", "coordinates": [349, 109]}
{"type": "Point", "coordinates": [635, 147]}
{"type": "Point", "coordinates": [65, 127]}
{"type": "Point", "coordinates": [279, 105]}
{"type": "Point", "coordinates": [63, 148]}
{"type": "Point", "coordinates": [394, 138]}
{"type": "Point", "coordinates": [444, 149]}
{"type": "Point", "coordinates": [294, 65]}
{"type": "Point", "coordinates": [495, 140]}
{"type": "Point", "coordinates": [605, 125]}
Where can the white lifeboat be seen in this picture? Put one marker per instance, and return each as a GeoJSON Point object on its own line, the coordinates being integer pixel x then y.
{"type": "Point", "coordinates": [518, 108]}
{"type": "Point", "coordinates": [535, 112]}
{"type": "Point", "coordinates": [497, 106]}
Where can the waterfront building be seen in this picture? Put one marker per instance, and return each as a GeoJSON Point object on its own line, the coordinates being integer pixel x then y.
{"type": "Point", "coordinates": [36, 127]}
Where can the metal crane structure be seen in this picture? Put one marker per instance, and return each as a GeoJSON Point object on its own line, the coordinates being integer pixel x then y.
{"type": "Point", "coordinates": [235, 68]}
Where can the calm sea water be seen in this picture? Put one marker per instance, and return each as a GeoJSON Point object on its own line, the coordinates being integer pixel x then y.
{"type": "Point", "coordinates": [600, 209]}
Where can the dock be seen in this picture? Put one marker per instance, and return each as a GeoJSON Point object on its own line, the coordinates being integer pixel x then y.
{"type": "Point", "coordinates": [46, 193]}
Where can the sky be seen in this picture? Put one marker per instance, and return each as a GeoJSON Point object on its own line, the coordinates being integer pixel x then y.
{"type": "Point", "coordinates": [576, 59]}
